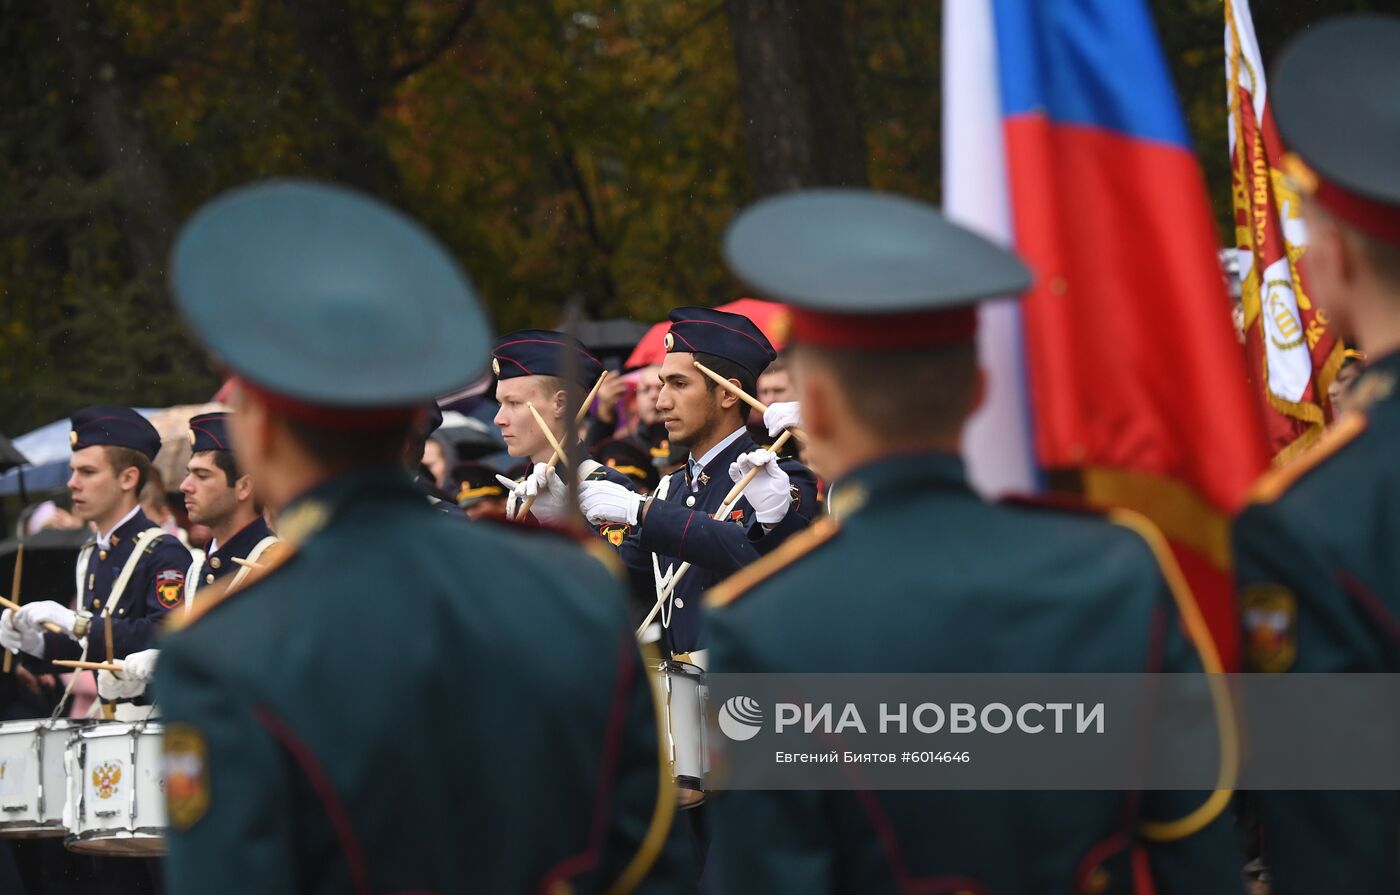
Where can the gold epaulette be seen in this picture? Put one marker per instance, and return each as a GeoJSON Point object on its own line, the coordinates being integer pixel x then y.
{"type": "Point", "coordinates": [1275, 482]}
{"type": "Point", "coordinates": [822, 529]}
{"type": "Point", "coordinates": [273, 557]}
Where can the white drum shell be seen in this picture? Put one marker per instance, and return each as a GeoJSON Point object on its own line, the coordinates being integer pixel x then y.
{"type": "Point", "coordinates": [32, 776]}
{"type": "Point", "coordinates": [681, 687]}
{"type": "Point", "coordinates": [116, 789]}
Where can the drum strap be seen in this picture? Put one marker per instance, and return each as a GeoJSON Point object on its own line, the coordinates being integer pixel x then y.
{"type": "Point", "coordinates": [253, 556]}
{"type": "Point", "coordinates": [192, 582]}
{"type": "Point", "coordinates": [119, 589]}
{"type": "Point", "coordinates": [661, 581]}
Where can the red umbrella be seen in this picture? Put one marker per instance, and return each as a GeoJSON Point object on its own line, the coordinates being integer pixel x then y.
{"type": "Point", "coordinates": [766, 315]}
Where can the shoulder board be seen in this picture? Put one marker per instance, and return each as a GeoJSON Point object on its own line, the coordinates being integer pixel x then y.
{"type": "Point", "coordinates": [1272, 485]}
{"type": "Point", "coordinates": [273, 558]}
{"type": "Point", "coordinates": [822, 529]}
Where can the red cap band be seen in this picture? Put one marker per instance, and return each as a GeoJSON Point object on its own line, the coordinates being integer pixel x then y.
{"type": "Point", "coordinates": [345, 418]}
{"type": "Point", "coordinates": [923, 329]}
{"type": "Point", "coordinates": [1378, 219]}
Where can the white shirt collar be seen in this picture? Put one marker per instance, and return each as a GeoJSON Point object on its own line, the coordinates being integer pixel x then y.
{"type": "Point", "coordinates": [105, 540]}
{"type": "Point", "coordinates": [718, 449]}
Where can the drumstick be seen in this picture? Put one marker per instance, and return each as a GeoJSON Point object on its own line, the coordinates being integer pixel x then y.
{"type": "Point", "coordinates": [729, 500]}
{"type": "Point", "coordinates": [107, 632]}
{"type": "Point", "coordinates": [559, 454]}
{"type": "Point", "coordinates": [548, 435]}
{"type": "Point", "coordinates": [49, 626]}
{"type": "Point", "coordinates": [89, 666]}
{"type": "Point", "coordinates": [745, 397]}
{"type": "Point", "coordinates": [248, 564]}
{"type": "Point", "coordinates": [14, 589]}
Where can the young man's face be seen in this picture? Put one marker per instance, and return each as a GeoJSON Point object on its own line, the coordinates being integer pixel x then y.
{"type": "Point", "coordinates": [774, 387]}
{"type": "Point", "coordinates": [209, 498]}
{"type": "Point", "coordinates": [522, 435]}
{"type": "Point", "coordinates": [689, 409]}
{"type": "Point", "coordinates": [95, 486]}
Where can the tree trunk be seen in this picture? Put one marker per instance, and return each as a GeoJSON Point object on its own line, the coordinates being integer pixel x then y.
{"type": "Point", "coordinates": [113, 122]}
{"type": "Point", "coordinates": [798, 94]}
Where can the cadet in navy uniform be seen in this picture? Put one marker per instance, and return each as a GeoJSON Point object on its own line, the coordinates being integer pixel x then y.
{"type": "Point", "coordinates": [133, 572]}
{"type": "Point", "coordinates": [914, 572]}
{"type": "Point", "coordinates": [221, 496]}
{"type": "Point", "coordinates": [1316, 548]}
{"type": "Point", "coordinates": [370, 712]}
{"type": "Point", "coordinates": [530, 365]}
{"type": "Point", "coordinates": [675, 523]}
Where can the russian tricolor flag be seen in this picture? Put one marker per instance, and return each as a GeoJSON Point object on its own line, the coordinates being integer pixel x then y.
{"type": "Point", "coordinates": [1120, 371]}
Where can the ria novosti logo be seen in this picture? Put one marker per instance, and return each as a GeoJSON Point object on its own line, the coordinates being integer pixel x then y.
{"type": "Point", "coordinates": [741, 718]}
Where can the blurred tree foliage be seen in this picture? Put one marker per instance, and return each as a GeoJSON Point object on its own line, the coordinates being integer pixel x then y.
{"type": "Point", "coordinates": [559, 147]}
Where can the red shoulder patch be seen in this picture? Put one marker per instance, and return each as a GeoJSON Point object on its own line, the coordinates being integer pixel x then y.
{"type": "Point", "coordinates": [170, 587]}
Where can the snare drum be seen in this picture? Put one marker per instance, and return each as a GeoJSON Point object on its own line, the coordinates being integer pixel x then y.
{"type": "Point", "coordinates": [32, 786]}
{"type": "Point", "coordinates": [116, 789]}
{"type": "Point", "coordinates": [681, 687]}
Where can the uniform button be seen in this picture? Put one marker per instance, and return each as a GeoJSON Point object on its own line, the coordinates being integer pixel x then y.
{"type": "Point", "coordinates": [102, 554]}
{"type": "Point", "coordinates": [96, 604]}
{"type": "Point", "coordinates": [216, 562]}
{"type": "Point", "coordinates": [209, 579]}
{"type": "Point", "coordinates": [121, 611]}
{"type": "Point", "coordinates": [680, 604]}
{"type": "Point", "coordinates": [690, 501]}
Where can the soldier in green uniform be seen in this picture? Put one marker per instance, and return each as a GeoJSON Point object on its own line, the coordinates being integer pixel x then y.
{"type": "Point", "coordinates": [1315, 551]}
{"type": "Point", "coordinates": [370, 712]}
{"type": "Point", "coordinates": [914, 572]}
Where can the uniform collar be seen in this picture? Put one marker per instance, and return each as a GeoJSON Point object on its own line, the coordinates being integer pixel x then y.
{"type": "Point", "coordinates": [243, 540]}
{"type": "Point", "coordinates": [718, 449]}
{"type": "Point", "coordinates": [888, 477]}
{"type": "Point", "coordinates": [700, 468]}
{"type": "Point", "coordinates": [104, 541]}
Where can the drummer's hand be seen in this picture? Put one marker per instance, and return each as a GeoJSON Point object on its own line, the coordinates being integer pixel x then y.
{"type": "Point", "coordinates": [112, 688]}
{"type": "Point", "coordinates": [140, 666]}
{"type": "Point", "coordinates": [609, 502]}
{"type": "Point", "coordinates": [34, 615]}
{"type": "Point", "coordinates": [17, 637]}
{"type": "Point", "coordinates": [130, 682]}
{"type": "Point", "coordinates": [782, 414]}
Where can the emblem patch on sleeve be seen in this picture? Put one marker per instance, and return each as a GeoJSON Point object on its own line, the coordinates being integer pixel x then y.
{"type": "Point", "coordinates": [170, 587]}
{"type": "Point", "coordinates": [615, 532]}
{"type": "Point", "coordinates": [186, 775]}
{"type": "Point", "coordinates": [1270, 622]}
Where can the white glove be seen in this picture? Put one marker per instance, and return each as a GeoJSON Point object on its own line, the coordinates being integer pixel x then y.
{"type": "Point", "coordinates": [609, 502]}
{"type": "Point", "coordinates": [137, 671]}
{"type": "Point", "coordinates": [17, 637]}
{"type": "Point", "coordinates": [770, 492]}
{"type": "Point", "coordinates": [140, 666]}
{"type": "Point", "coordinates": [781, 415]}
{"type": "Point", "coordinates": [35, 614]}
{"type": "Point", "coordinates": [552, 504]}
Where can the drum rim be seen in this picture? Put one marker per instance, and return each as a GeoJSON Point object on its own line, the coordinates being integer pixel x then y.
{"type": "Point", "coordinates": [110, 729]}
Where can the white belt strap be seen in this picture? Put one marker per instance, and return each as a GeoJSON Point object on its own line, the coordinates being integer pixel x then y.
{"type": "Point", "coordinates": [253, 556]}
{"type": "Point", "coordinates": [119, 589]}
{"type": "Point", "coordinates": [661, 581]}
